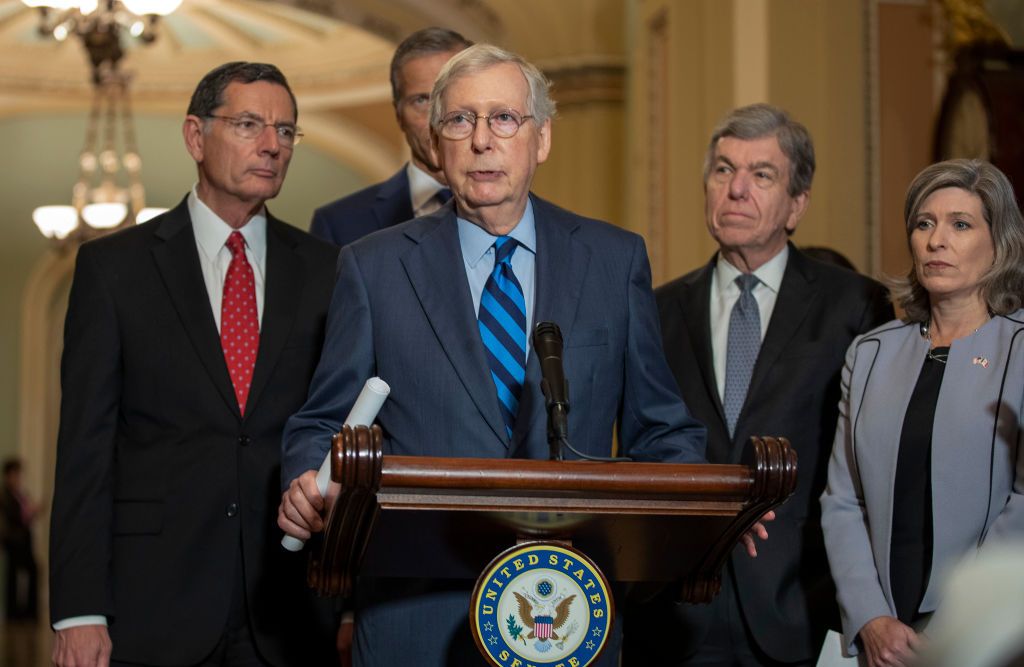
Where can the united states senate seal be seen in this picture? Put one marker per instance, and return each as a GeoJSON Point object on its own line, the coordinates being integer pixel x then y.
{"type": "Point", "coordinates": [541, 604]}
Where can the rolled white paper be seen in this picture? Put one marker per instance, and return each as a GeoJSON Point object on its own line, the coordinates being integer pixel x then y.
{"type": "Point", "coordinates": [363, 412]}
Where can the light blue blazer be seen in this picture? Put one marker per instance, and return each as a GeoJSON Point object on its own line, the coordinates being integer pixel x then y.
{"type": "Point", "coordinates": [976, 464]}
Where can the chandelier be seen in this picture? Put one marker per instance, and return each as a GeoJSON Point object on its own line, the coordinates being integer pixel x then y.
{"type": "Point", "coordinates": [108, 193]}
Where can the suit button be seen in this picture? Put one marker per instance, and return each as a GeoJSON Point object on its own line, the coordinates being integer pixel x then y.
{"type": "Point", "coordinates": [243, 440]}
{"type": "Point", "coordinates": [231, 510]}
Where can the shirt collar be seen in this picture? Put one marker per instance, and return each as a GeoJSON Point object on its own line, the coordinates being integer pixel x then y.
{"type": "Point", "coordinates": [422, 186]}
{"type": "Point", "coordinates": [770, 273]}
{"type": "Point", "coordinates": [212, 232]}
{"type": "Point", "coordinates": [476, 241]}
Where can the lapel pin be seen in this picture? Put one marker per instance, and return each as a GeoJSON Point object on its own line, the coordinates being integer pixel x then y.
{"type": "Point", "coordinates": [980, 361]}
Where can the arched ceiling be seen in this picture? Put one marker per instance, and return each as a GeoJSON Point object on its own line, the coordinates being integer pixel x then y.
{"type": "Point", "coordinates": [335, 52]}
{"type": "Point", "coordinates": [323, 57]}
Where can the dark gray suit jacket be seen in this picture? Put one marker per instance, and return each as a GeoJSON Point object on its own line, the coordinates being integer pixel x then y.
{"type": "Point", "coordinates": [786, 592]}
{"type": "Point", "coordinates": [402, 310]}
{"type": "Point", "coordinates": [352, 217]}
{"type": "Point", "coordinates": [159, 479]}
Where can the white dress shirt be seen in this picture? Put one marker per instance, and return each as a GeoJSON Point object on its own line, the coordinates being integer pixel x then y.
{"type": "Point", "coordinates": [211, 234]}
{"type": "Point", "coordinates": [422, 188]}
{"type": "Point", "coordinates": [724, 294]}
{"type": "Point", "coordinates": [214, 256]}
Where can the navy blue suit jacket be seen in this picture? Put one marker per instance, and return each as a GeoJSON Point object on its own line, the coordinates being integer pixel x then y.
{"type": "Point", "coordinates": [352, 217]}
{"type": "Point", "coordinates": [402, 310]}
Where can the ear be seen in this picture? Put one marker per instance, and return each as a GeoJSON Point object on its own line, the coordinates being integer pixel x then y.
{"type": "Point", "coordinates": [435, 149]}
{"type": "Point", "coordinates": [800, 203]}
{"type": "Point", "coordinates": [544, 141]}
{"type": "Point", "coordinates": [192, 131]}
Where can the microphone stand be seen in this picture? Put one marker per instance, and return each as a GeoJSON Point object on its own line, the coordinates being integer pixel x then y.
{"type": "Point", "coordinates": [558, 421]}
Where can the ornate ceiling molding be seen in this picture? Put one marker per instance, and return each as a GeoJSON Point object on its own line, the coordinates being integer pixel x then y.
{"type": "Point", "coordinates": [319, 55]}
{"type": "Point", "coordinates": [577, 82]}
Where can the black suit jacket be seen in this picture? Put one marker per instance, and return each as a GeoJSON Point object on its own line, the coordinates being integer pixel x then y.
{"type": "Point", "coordinates": [379, 206]}
{"type": "Point", "coordinates": [786, 593]}
{"type": "Point", "coordinates": [159, 478]}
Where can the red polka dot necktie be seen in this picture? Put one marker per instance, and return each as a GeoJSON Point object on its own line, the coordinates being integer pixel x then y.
{"type": "Point", "coordinates": [239, 322]}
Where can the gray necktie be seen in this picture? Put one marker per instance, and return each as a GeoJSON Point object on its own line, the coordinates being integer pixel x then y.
{"type": "Point", "coordinates": [741, 353]}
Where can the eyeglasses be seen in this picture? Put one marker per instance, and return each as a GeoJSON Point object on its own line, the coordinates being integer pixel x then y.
{"type": "Point", "coordinates": [250, 127]}
{"type": "Point", "coordinates": [460, 124]}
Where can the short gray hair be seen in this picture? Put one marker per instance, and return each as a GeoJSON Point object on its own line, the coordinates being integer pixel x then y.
{"type": "Point", "coordinates": [757, 121]}
{"type": "Point", "coordinates": [480, 57]}
{"type": "Point", "coordinates": [425, 42]}
{"type": "Point", "coordinates": [1002, 286]}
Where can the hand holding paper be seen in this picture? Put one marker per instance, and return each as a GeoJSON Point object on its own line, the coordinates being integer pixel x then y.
{"type": "Point", "coordinates": [363, 412]}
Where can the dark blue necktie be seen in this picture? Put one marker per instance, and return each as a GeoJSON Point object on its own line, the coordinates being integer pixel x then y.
{"type": "Point", "coordinates": [443, 196]}
{"type": "Point", "coordinates": [502, 323]}
{"type": "Point", "coordinates": [743, 347]}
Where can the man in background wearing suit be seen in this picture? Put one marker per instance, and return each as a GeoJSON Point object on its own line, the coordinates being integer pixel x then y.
{"type": "Point", "coordinates": [189, 340]}
{"type": "Point", "coordinates": [419, 187]}
{"type": "Point", "coordinates": [756, 340]}
{"type": "Point", "coordinates": [441, 308]}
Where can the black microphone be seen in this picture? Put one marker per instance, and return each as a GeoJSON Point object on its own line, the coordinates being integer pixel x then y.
{"type": "Point", "coordinates": [547, 342]}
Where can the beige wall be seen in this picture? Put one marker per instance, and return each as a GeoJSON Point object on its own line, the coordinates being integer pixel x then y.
{"type": "Point", "coordinates": [693, 61]}
{"type": "Point", "coordinates": [580, 46]}
{"type": "Point", "coordinates": [907, 104]}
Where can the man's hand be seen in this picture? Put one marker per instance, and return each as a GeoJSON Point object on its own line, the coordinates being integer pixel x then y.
{"type": "Point", "coordinates": [757, 530]}
{"type": "Point", "coordinates": [301, 505]}
{"type": "Point", "coordinates": [889, 643]}
{"type": "Point", "coordinates": [82, 646]}
{"type": "Point", "coordinates": [346, 633]}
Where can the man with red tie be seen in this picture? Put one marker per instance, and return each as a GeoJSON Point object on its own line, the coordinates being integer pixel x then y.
{"type": "Point", "coordinates": [189, 341]}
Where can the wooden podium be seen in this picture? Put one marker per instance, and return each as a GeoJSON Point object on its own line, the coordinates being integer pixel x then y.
{"type": "Point", "coordinates": [410, 516]}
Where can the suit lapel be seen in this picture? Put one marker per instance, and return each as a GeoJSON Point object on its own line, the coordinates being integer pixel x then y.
{"type": "Point", "coordinates": [284, 277]}
{"type": "Point", "coordinates": [796, 296]}
{"type": "Point", "coordinates": [177, 259]}
{"type": "Point", "coordinates": [436, 271]}
{"type": "Point", "coordinates": [394, 204]}
{"type": "Point", "coordinates": [560, 267]}
{"type": "Point", "coordinates": [697, 299]}
{"type": "Point", "coordinates": [693, 305]}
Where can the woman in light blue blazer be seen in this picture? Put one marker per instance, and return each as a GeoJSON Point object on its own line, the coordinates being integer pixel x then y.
{"type": "Point", "coordinates": [927, 468]}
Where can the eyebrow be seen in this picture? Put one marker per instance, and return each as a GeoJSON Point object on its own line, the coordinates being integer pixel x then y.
{"type": "Point", "coordinates": [764, 165]}
{"type": "Point", "coordinates": [753, 166]}
{"type": "Point", "coordinates": [250, 114]}
{"type": "Point", "coordinates": [952, 214]}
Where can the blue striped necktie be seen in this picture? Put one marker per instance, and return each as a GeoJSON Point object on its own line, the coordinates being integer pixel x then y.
{"type": "Point", "coordinates": [502, 323]}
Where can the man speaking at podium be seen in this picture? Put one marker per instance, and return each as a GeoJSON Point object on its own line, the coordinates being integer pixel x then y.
{"type": "Point", "coordinates": [442, 307]}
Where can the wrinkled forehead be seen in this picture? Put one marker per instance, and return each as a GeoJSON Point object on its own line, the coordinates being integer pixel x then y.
{"type": "Point", "coordinates": [265, 99]}
{"type": "Point", "coordinates": [743, 152]}
{"type": "Point", "coordinates": [501, 85]}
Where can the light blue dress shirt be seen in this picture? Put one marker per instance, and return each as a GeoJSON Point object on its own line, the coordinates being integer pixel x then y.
{"type": "Point", "coordinates": [478, 257]}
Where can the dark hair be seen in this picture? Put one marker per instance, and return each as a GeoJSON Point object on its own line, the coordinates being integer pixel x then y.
{"type": "Point", "coordinates": [1002, 286]}
{"type": "Point", "coordinates": [11, 465]}
{"type": "Point", "coordinates": [209, 94]}
{"type": "Point", "coordinates": [764, 120]}
{"type": "Point", "coordinates": [425, 42]}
